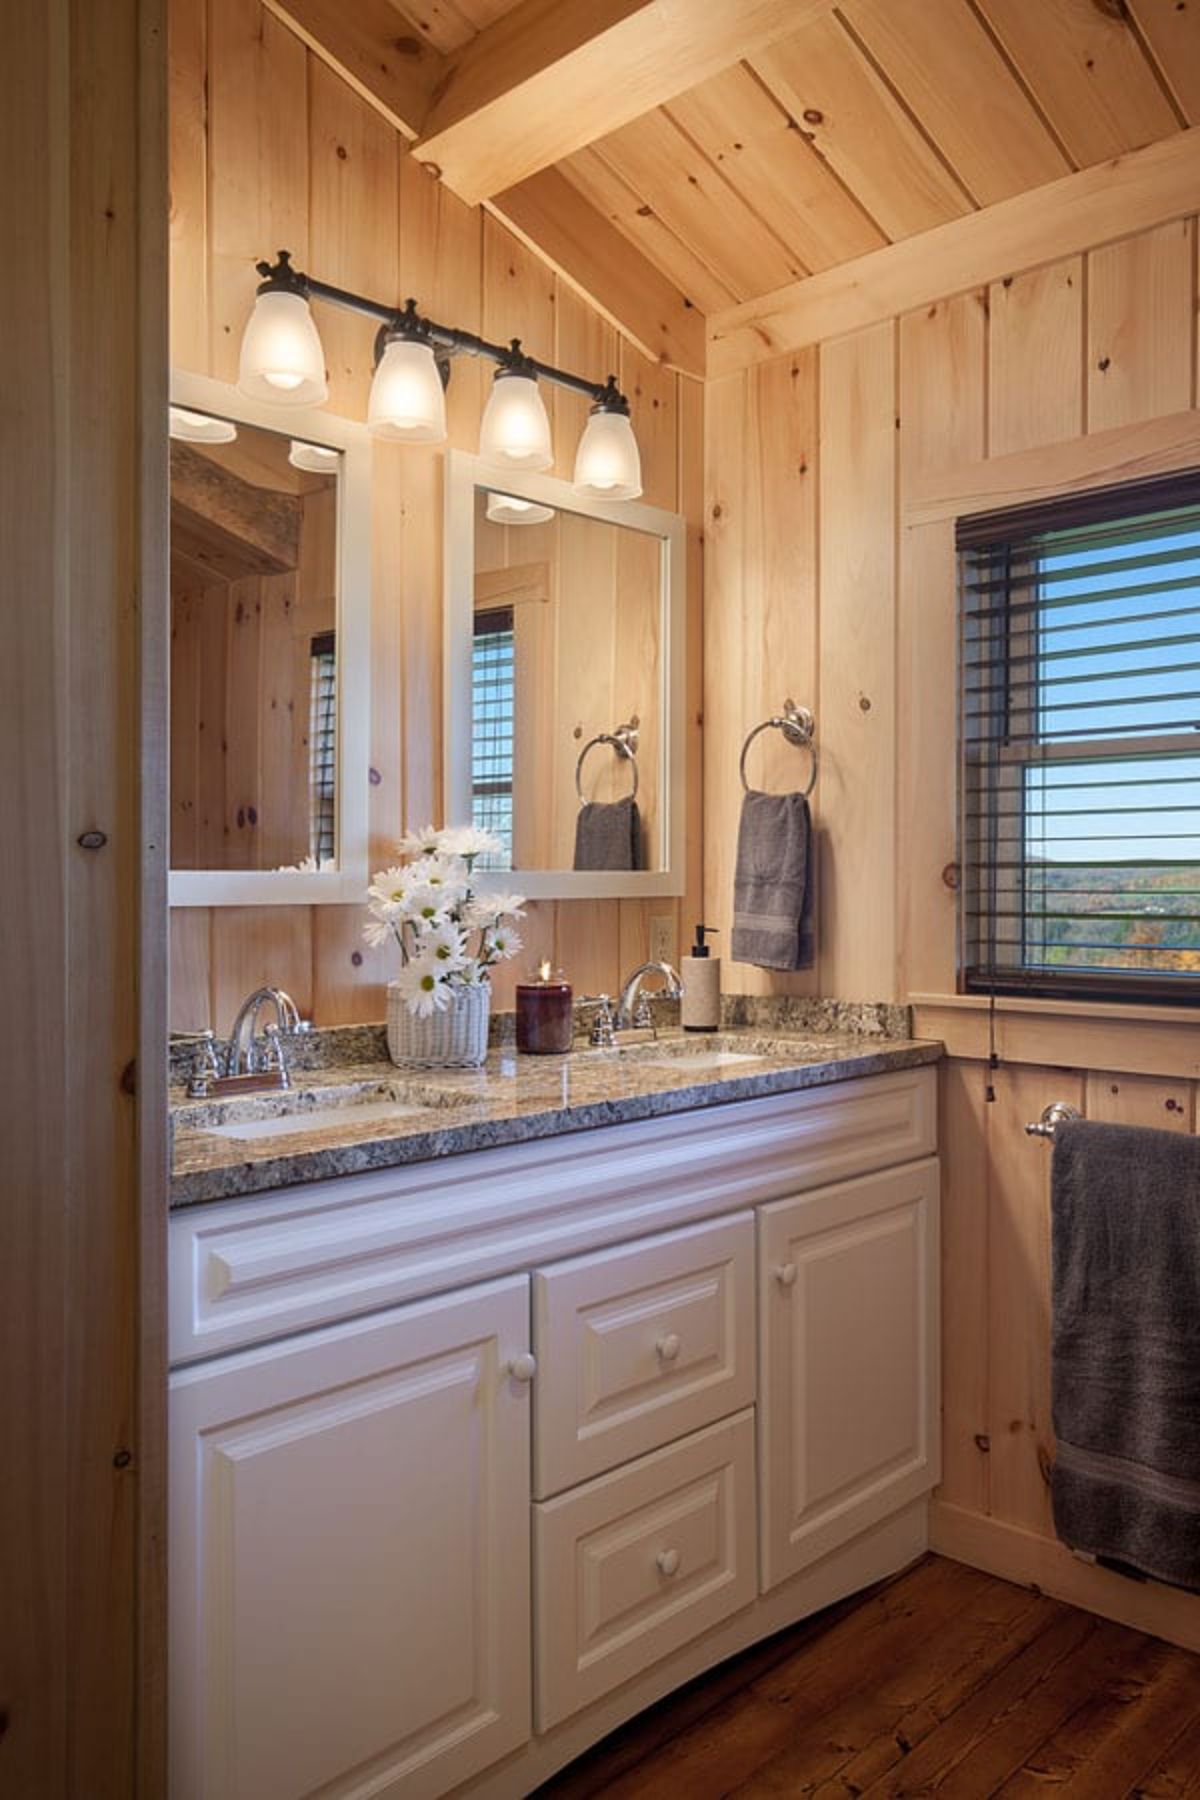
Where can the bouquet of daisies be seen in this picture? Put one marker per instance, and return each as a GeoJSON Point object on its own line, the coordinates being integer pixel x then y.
{"type": "Point", "coordinates": [449, 936]}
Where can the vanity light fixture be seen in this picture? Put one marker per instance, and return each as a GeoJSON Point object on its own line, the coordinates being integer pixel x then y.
{"type": "Point", "coordinates": [199, 428]}
{"type": "Point", "coordinates": [506, 509]}
{"type": "Point", "coordinates": [282, 361]}
{"type": "Point", "coordinates": [317, 459]}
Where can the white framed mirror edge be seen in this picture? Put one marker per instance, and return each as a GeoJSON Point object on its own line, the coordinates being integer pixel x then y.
{"type": "Point", "coordinates": [347, 884]}
{"type": "Point", "coordinates": [465, 472]}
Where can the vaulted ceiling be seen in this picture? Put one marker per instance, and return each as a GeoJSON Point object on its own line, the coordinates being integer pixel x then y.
{"type": "Point", "coordinates": [680, 158]}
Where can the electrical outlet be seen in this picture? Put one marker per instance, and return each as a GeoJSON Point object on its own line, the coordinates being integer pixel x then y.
{"type": "Point", "coordinates": [662, 938]}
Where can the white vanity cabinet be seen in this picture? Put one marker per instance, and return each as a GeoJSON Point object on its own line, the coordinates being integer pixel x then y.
{"type": "Point", "coordinates": [350, 1556]}
{"type": "Point", "coordinates": [614, 1406]}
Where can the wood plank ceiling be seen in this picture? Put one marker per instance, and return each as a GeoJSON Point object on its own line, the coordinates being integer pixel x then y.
{"type": "Point", "coordinates": [874, 121]}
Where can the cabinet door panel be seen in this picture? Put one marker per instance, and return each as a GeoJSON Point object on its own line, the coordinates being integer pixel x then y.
{"type": "Point", "coordinates": [350, 1557]}
{"type": "Point", "coordinates": [848, 1415]}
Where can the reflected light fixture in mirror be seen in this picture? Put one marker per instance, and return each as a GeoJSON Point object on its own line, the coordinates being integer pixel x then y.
{"type": "Point", "coordinates": [506, 509]}
{"type": "Point", "coordinates": [515, 433]}
{"type": "Point", "coordinates": [408, 400]}
{"type": "Point", "coordinates": [200, 428]}
{"type": "Point", "coordinates": [316, 459]}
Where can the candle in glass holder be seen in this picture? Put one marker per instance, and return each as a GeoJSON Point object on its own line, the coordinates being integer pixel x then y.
{"type": "Point", "coordinates": [544, 1014]}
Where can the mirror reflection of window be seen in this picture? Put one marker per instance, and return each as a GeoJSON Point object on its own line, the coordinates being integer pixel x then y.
{"type": "Point", "coordinates": [253, 648]}
{"type": "Point", "coordinates": [493, 674]}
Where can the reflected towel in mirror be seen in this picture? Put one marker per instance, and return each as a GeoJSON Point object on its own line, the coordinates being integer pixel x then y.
{"type": "Point", "coordinates": [608, 835]}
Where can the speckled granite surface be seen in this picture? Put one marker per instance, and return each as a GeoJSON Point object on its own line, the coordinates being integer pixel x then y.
{"type": "Point", "coordinates": [407, 1118]}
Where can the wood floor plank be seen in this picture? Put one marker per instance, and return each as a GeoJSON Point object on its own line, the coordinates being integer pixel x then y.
{"type": "Point", "coordinates": [1112, 1735]}
{"type": "Point", "coordinates": [1175, 1775]}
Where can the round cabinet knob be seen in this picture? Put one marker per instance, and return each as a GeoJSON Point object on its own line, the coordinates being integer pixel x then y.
{"type": "Point", "coordinates": [523, 1367]}
{"type": "Point", "coordinates": [668, 1562]}
{"type": "Point", "coordinates": [785, 1275]}
{"type": "Point", "coordinates": [668, 1347]}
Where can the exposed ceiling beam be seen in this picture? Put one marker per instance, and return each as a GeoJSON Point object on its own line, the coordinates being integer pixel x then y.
{"type": "Point", "coordinates": [396, 73]}
{"type": "Point", "coordinates": [555, 220]}
{"type": "Point", "coordinates": [370, 47]}
{"type": "Point", "coordinates": [1131, 193]}
{"type": "Point", "coordinates": [554, 75]}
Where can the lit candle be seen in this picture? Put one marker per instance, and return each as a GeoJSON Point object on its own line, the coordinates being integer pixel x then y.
{"type": "Point", "coordinates": [545, 1015]}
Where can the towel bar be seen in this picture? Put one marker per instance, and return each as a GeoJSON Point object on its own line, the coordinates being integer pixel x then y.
{"type": "Point", "coordinates": [624, 741]}
{"type": "Point", "coordinates": [1059, 1112]}
{"type": "Point", "coordinates": [798, 727]}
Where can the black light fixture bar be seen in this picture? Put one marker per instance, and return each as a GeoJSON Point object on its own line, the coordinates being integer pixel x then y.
{"type": "Point", "coordinates": [444, 340]}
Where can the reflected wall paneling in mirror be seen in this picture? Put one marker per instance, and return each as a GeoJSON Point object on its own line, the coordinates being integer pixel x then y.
{"type": "Point", "coordinates": [286, 152]}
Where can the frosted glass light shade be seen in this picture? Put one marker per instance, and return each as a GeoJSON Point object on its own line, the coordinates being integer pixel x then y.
{"type": "Point", "coordinates": [506, 509]}
{"type": "Point", "coordinates": [608, 465]}
{"type": "Point", "coordinates": [282, 359]}
{"type": "Point", "coordinates": [200, 428]}
{"type": "Point", "coordinates": [408, 400]}
{"type": "Point", "coordinates": [318, 459]}
{"type": "Point", "coordinates": [515, 433]}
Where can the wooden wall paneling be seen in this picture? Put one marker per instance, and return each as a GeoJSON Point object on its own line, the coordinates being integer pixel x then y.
{"type": "Point", "coordinates": [185, 714]}
{"type": "Point", "coordinates": [1141, 303]}
{"type": "Point", "coordinates": [1019, 1429]}
{"type": "Point", "coordinates": [1072, 1036]}
{"type": "Point", "coordinates": [256, 946]}
{"type": "Point", "coordinates": [584, 939]}
{"type": "Point", "coordinates": [353, 226]}
{"type": "Point", "coordinates": [257, 164]}
{"type": "Point", "coordinates": [1086, 69]}
{"type": "Point", "coordinates": [213, 839]}
{"type": "Point", "coordinates": [856, 720]}
{"type": "Point", "coordinates": [441, 250]}
{"type": "Point", "coordinates": [963, 1147]}
{"type": "Point", "coordinates": [283, 711]}
{"type": "Point", "coordinates": [1169, 32]}
{"type": "Point", "coordinates": [242, 723]}
{"type": "Point", "coordinates": [774, 169]}
{"type": "Point", "coordinates": [997, 142]}
{"type": "Point", "coordinates": [187, 35]}
{"type": "Point", "coordinates": [729, 638]}
{"type": "Point", "coordinates": [868, 139]}
{"type": "Point", "coordinates": [349, 979]}
{"type": "Point", "coordinates": [190, 956]}
{"type": "Point", "coordinates": [690, 451]}
{"type": "Point", "coordinates": [1140, 1100]}
{"type": "Point", "coordinates": [1035, 372]}
{"type": "Point", "coordinates": [942, 368]}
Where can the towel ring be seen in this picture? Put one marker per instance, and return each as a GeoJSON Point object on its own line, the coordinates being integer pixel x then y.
{"type": "Point", "coordinates": [624, 741]}
{"type": "Point", "coordinates": [798, 726]}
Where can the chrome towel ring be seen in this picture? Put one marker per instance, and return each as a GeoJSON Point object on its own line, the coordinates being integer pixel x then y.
{"type": "Point", "coordinates": [624, 741]}
{"type": "Point", "coordinates": [798, 727]}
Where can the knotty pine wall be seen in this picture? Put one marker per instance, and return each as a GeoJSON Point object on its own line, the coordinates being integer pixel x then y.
{"type": "Point", "coordinates": [825, 582]}
{"type": "Point", "coordinates": [269, 148]}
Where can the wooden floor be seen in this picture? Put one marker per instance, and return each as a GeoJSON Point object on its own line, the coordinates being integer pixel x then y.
{"type": "Point", "coordinates": [945, 1681]}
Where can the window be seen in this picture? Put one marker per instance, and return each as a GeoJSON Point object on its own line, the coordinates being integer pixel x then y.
{"type": "Point", "coordinates": [492, 686]}
{"type": "Point", "coordinates": [322, 750]}
{"type": "Point", "coordinates": [1079, 726]}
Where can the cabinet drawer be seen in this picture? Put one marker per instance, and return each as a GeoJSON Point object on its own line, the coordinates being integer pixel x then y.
{"type": "Point", "coordinates": [638, 1345]}
{"type": "Point", "coordinates": [636, 1564]}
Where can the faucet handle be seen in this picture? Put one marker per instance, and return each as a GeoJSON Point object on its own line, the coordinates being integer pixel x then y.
{"type": "Point", "coordinates": [603, 1032]}
{"type": "Point", "coordinates": [206, 1066]}
{"type": "Point", "coordinates": [273, 1053]}
{"type": "Point", "coordinates": [643, 1018]}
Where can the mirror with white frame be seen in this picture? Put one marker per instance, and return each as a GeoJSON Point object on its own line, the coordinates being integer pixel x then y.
{"type": "Point", "coordinates": [270, 674]}
{"type": "Point", "coordinates": [564, 659]}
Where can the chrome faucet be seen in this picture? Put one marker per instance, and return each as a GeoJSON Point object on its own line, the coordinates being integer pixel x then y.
{"type": "Point", "coordinates": [251, 1059]}
{"type": "Point", "coordinates": [633, 1008]}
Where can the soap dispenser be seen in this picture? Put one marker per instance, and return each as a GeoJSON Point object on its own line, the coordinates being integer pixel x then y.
{"type": "Point", "coordinates": [700, 1008]}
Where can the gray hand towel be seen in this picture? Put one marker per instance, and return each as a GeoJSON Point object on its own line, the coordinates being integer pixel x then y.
{"type": "Point", "coordinates": [608, 835]}
{"type": "Point", "coordinates": [773, 883]}
{"type": "Point", "coordinates": [1126, 1347]}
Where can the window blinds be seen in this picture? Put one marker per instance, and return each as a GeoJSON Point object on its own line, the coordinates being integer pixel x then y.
{"type": "Point", "coordinates": [492, 695]}
{"type": "Point", "coordinates": [1079, 731]}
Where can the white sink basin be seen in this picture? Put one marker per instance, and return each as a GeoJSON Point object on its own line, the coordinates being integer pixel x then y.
{"type": "Point", "coordinates": [301, 1123]}
{"type": "Point", "coordinates": [700, 1060]}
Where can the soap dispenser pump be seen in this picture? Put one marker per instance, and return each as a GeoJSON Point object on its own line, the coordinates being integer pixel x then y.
{"type": "Point", "coordinates": [700, 1009]}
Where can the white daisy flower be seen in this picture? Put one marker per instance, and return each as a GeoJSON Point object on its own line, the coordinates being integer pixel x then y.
{"type": "Point", "coordinates": [486, 908]}
{"type": "Point", "coordinates": [470, 841]}
{"type": "Point", "coordinates": [445, 944]}
{"type": "Point", "coordinates": [423, 987]}
{"type": "Point", "coordinates": [378, 932]}
{"type": "Point", "coordinates": [426, 841]}
{"type": "Point", "coordinates": [505, 942]}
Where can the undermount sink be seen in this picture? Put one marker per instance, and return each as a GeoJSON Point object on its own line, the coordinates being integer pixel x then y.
{"type": "Point", "coordinates": [300, 1111]}
{"type": "Point", "coordinates": [683, 1057]}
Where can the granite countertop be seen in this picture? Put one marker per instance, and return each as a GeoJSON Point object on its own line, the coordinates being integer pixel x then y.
{"type": "Point", "coordinates": [375, 1116]}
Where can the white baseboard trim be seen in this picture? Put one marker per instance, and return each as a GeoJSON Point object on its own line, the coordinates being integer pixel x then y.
{"type": "Point", "coordinates": [1035, 1561]}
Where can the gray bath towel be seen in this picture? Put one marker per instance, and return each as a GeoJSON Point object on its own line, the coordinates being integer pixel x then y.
{"type": "Point", "coordinates": [1126, 1347]}
{"type": "Point", "coordinates": [608, 835]}
{"type": "Point", "coordinates": [773, 883]}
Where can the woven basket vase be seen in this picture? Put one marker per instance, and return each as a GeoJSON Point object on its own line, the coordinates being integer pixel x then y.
{"type": "Point", "coordinates": [454, 1039]}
